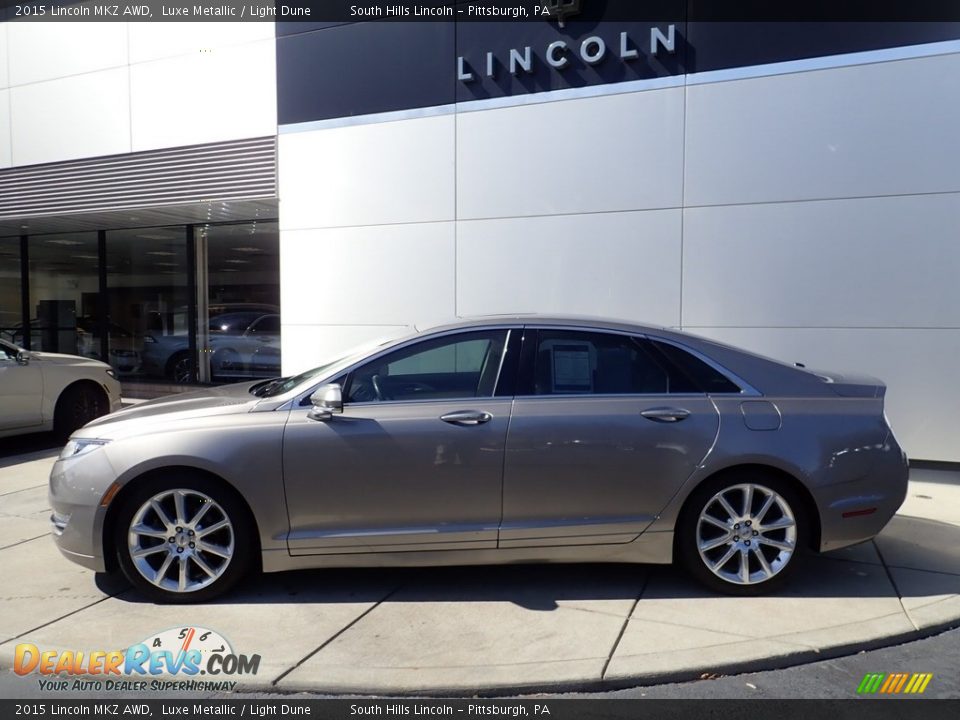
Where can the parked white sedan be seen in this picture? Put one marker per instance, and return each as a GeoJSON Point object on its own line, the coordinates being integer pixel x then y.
{"type": "Point", "coordinates": [47, 391]}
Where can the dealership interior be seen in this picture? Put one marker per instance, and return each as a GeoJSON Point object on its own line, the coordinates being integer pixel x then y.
{"type": "Point", "coordinates": [166, 306]}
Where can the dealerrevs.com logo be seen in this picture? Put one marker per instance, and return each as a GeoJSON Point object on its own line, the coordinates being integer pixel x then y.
{"type": "Point", "coordinates": [183, 653]}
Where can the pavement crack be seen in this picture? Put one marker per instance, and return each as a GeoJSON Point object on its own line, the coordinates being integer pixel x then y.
{"type": "Point", "coordinates": [623, 628]}
{"type": "Point", "coordinates": [62, 617]}
{"type": "Point", "coordinates": [21, 542]}
{"type": "Point", "coordinates": [14, 492]}
{"type": "Point", "coordinates": [896, 588]}
{"type": "Point", "coordinates": [337, 634]}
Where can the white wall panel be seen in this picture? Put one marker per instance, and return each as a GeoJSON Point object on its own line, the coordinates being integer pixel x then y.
{"type": "Point", "coordinates": [6, 158]}
{"type": "Point", "coordinates": [307, 346]}
{"type": "Point", "coordinates": [4, 51]}
{"type": "Point", "coordinates": [879, 262]}
{"type": "Point", "coordinates": [879, 129]}
{"type": "Point", "coordinates": [918, 366]}
{"type": "Point", "coordinates": [385, 275]}
{"type": "Point", "coordinates": [369, 174]}
{"type": "Point", "coordinates": [49, 50]}
{"type": "Point", "coordinates": [621, 152]}
{"type": "Point", "coordinates": [225, 94]}
{"type": "Point", "coordinates": [622, 265]}
{"type": "Point", "coordinates": [155, 40]}
{"type": "Point", "coordinates": [79, 116]}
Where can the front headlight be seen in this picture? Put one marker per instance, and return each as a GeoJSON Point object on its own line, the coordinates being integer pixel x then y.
{"type": "Point", "coordinates": [80, 446]}
{"type": "Point", "coordinates": [111, 373]}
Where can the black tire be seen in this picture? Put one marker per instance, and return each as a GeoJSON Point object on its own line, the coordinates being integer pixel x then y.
{"type": "Point", "coordinates": [688, 529]}
{"type": "Point", "coordinates": [229, 507]}
{"type": "Point", "coordinates": [179, 368]}
{"type": "Point", "coordinates": [77, 405]}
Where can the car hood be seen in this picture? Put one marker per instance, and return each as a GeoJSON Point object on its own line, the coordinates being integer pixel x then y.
{"type": "Point", "coordinates": [61, 359]}
{"type": "Point", "coordinates": [226, 400]}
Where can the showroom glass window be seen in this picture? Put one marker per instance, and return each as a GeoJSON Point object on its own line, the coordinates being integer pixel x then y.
{"type": "Point", "coordinates": [464, 365]}
{"type": "Point", "coordinates": [239, 315]}
{"type": "Point", "coordinates": [64, 294]}
{"type": "Point", "coordinates": [10, 315]}
{"type": "Point", "coordinates": [148, 303]}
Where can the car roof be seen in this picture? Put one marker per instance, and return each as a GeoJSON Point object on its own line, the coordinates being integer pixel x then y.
{"type": "Point", "coordinates": [543, 319]}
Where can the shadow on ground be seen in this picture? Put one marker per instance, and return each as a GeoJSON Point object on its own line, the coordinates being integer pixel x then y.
{"type": "Point", "coordinates": [542, 587]}
{"type": "Point", "coordinates": [12, 449]}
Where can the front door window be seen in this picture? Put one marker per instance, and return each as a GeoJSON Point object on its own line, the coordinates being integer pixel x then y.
{"type": "Point", "coordinates": [464, 365]}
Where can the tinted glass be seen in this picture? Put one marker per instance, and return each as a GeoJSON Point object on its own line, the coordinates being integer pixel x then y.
{"type": "Point", "coordinates": [10, 315]}
{"type": "Point", "coordinates": [706, 378]}
{"type": "Point", "coordinates": [267, 325]}
{"type": "Point", "coordinates": [232, 323]}
{"type": "Point", "coordinates": [64, 289]}
{"type": "Point", "coordinates": [147, 296]}
{"type": "Point", "coordinates": [458, 366]}
{"type": "Point", "coordinates": [572, 362]}
{"type": "Point", "coordinates": [243, 283]}
{"type": "Point", "coordinates": [7, 352]}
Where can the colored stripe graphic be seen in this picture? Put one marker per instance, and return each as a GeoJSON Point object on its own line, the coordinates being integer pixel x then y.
{"type": "Point", "coordinates": [894, 683]}
{"type": "Point", "coordinates": [870, 683]}
{"type": "Point", "coordinates": [927, 677]}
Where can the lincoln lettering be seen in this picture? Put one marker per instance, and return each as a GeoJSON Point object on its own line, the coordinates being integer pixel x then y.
{"type": "Point", "coordinates": [559, 54]}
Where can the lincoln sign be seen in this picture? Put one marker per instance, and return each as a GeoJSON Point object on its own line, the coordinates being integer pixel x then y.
{"type": "Point", "coordinates": [560, 54]}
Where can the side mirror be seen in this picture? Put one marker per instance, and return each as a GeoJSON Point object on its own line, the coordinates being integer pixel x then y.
{"type": "Point", "coordinates": [23, 358]}
{"type": "Point", "coordinates": [327, 400]}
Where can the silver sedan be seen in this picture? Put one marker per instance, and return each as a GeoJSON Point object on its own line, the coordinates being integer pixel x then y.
{"type": "Point", "coordinates": [528, 439]}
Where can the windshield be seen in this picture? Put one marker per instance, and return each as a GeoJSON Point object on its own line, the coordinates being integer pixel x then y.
{"type": "Point", "coordinates": [8, 351]}
{"type": "Point", "coordinates": [282, 385]}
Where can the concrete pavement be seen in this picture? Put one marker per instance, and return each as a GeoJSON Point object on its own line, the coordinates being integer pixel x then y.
{"type": "Point", "coordinates": [496, 629]}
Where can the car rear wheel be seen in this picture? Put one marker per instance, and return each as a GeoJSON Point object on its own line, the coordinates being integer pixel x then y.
{"type": "Point", "coordinates": [741, 535]}
{"type": "Point", "coordinates": [185, 539]}
{"type": "Point", "coordinates": [179, 368]}
{"type": "Point", "coordinates": [78, 405]}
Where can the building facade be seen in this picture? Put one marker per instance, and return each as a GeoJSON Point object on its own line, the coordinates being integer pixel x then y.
{"type": "Point", "coordinates": [792, 188]}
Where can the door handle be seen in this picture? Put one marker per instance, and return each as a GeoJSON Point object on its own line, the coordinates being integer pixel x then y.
{"type": "Point", "coordinates": [666, 414]}
{"type": "Point", "coordinates": [467, 417]}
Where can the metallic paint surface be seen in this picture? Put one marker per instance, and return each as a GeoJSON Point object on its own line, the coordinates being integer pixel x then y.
{"type": "Point", "coordinates": [548, 479]}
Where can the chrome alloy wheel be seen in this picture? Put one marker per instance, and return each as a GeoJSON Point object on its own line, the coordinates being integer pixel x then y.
{"type": "Point", "coordinates": [746, 534]}
{"type": "Point", "coordinates": [181, 540]}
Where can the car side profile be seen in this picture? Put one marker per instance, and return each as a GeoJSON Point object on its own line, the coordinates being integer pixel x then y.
{"type": "Point", "coordinates": [527, 439]}
{"type": "Point", "coordinates": [42, 391]}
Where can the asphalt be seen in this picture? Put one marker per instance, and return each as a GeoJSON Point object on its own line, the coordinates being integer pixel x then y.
{"type": "Point", "coordinates": [491, 630]}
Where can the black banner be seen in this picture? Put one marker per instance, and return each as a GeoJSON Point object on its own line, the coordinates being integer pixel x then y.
{"type": "Point", "coordinates": [321, 13]}
{"type": "Point", "coordinates": [541, 707]}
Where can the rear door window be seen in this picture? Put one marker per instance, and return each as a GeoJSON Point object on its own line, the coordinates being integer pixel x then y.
{"type": "Point", "coordinates": [574, 362]}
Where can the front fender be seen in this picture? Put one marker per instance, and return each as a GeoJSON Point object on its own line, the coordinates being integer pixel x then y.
{"type": "Point", "coordinates": [246, 454]}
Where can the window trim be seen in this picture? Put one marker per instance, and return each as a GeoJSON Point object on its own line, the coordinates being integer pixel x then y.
{"type": "Point", "coordinates": [527, 349]}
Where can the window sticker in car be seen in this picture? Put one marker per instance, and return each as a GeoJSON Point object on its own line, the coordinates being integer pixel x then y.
{"type": "Point", "coordinates": [571, 368]}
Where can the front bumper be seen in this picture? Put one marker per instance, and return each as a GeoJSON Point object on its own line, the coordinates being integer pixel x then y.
{"type": "Point", "coordinates": [77, 486]}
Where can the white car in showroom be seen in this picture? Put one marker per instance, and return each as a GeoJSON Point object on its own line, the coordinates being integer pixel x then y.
{"type": "Point", "coordinates": [42, 391]}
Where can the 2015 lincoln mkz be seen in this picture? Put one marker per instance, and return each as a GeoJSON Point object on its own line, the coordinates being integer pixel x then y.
{"type": "Point", "coordinates": [525, 439]}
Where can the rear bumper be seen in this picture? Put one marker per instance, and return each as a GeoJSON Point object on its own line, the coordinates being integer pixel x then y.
{"type": "Point", "coordinates": [856, 511]}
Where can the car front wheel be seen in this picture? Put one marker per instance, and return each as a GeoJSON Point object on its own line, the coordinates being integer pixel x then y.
{"type": "Point", "coordinates": [742, 535]}
{"type": "Point", "coordinates": [183, 540]}
{"type": "Point", "coordinates": [79, 404]}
